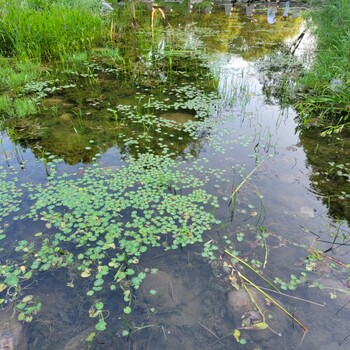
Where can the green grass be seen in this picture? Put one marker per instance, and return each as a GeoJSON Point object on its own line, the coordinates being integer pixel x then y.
{"type": "Point", "coordinates": [5, 103]}
{"type": "Point", "coordinates": [18, 107]}
{"type": "Point", "coordinates": [49, 30]}
{"type": "Point", "coordinates": [321, 98]}
{"type": "Point", "coordinates": [23, 107]}
{"type": "Point", "coordinates": [14, 75]}
{"type": "Point", "coordinates": [34, 32]}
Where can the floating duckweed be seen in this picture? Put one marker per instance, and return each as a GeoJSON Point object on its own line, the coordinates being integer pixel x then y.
{"type": "Point", "coordinates": [101, 221]}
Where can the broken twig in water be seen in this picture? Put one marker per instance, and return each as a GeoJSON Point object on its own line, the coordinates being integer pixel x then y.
{"type": "Point", "coordinates": [233, 195]}
{"type": "Point", "coordinates": [245, 279]}
{"type": "Point", "coordinates": [251, 268]}
{"type": "Point", "coordinates": [276, 303]}
{"type": "Point", "coordinates": [208, 330]}
{"type": "Point", "coordinates": [293, 297]}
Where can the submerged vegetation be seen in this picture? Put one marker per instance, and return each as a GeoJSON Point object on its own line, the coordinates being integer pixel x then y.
{"type": "Point", "coordinates": [326, 85]}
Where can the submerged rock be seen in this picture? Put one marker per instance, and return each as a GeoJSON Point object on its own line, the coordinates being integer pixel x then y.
{"type": "Point", "coordinates": [106, 7]}
{"type": "Point", "coordinates": [167, 296]}
{"type": "Point", "coordinates": [65, 117]}
{"type": "Point", "coordinates": [162, 290]}
{"type": "Point", "coordinates": [178, 117]}
{"type": "Point", "coordinates": [243, 310]}
{"type": "Point", "coordinates": [78, 342]}
{"type": "Point", "coordinates": [13, 335]}
{"type": "Point", "coordinates": [239, 302]}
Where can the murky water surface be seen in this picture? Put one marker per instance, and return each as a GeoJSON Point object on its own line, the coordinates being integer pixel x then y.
{"type": "Point", "coordinates": [208, 94]}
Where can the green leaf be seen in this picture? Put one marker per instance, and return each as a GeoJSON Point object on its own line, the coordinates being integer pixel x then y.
{"type": "Point", "coordinates": [101, 325]}
{"type": "Point", "coordinates": [27, 298]}
{"type": "Point", "coordinates": [258, 326]}
{"type": "Point", "coordinates": [28, 275]}
{"type": "Point", "coordinates": [127, 310]}
{"type": "Point", "coordinates": [29, 318]}
{"type": "Point", "coordinates": [237, 334]}
{"type": "Point", "coordinates": [98, 282]}
{"type": "Point", "coordinates": [12, 280]}
{"type": "Point", "coordinates": [130, 272]}
{"type": "Point", "coordinates": [90, 337]}
{"type": "Point", "coordinates": [99, 305]}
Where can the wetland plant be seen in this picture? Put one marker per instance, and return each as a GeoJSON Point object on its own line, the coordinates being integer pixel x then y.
{"type": "Point", "coordinates": [49, 30]}
{"type": "Point", "coordinates": [326, 84]}
{"type": "Point", "coordinates": [98, 223]}
{"type": "Point", "coordinates": [18, 107]}
{"type": "Point", "coordinates": [14, 75]}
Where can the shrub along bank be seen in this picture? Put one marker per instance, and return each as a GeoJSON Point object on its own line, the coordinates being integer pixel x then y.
{"type": "Point", "coordinates": [326, 93]}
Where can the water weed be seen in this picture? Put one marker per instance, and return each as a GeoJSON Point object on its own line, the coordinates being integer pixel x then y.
{"type": "Point", "coordinates": [102, 222]}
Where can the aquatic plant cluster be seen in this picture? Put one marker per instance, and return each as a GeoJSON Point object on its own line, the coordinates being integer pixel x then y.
{"type": "Point", "coordinates": [156, 133]}
{"type": "Point", "coordinates": [100, 222]}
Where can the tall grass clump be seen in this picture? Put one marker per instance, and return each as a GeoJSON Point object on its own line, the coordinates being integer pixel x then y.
{"type": "Point", "coordinates": [327, 84]}
{"type": "Point", "coordinates": [17, 107]}
{"type": "Point", "coordinates": [16, 74]}
{"type": "Point", "coordinates": [23, 107]}
{"type": "Point", "coordinates": [49, 30]}
{"type": "Point", "coordinates": [5, 104]}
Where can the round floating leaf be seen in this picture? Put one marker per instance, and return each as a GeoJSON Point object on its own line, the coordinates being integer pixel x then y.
{"type": "Point", "coordinates": [125, 333]}
{"type": "Point", "coordinates": [12, 280]}
{"type": "Point", "coordinates": [98, 282]}
{"type": "Point", "coordinates": [99, 306]}
{"type": "Point", "coordinates": [101, 325]}
{"type": "Point", "coordinates": [27, 298]}
{"type": "Point", "coordinates": [127, 310]}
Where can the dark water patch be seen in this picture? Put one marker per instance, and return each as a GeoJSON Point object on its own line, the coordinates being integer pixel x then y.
{"type": "Point", "coordinates": [328, 156]}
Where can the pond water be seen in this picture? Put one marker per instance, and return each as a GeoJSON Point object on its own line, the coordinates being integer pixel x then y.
{"type": "Point", "coordinates": [126, 198]}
